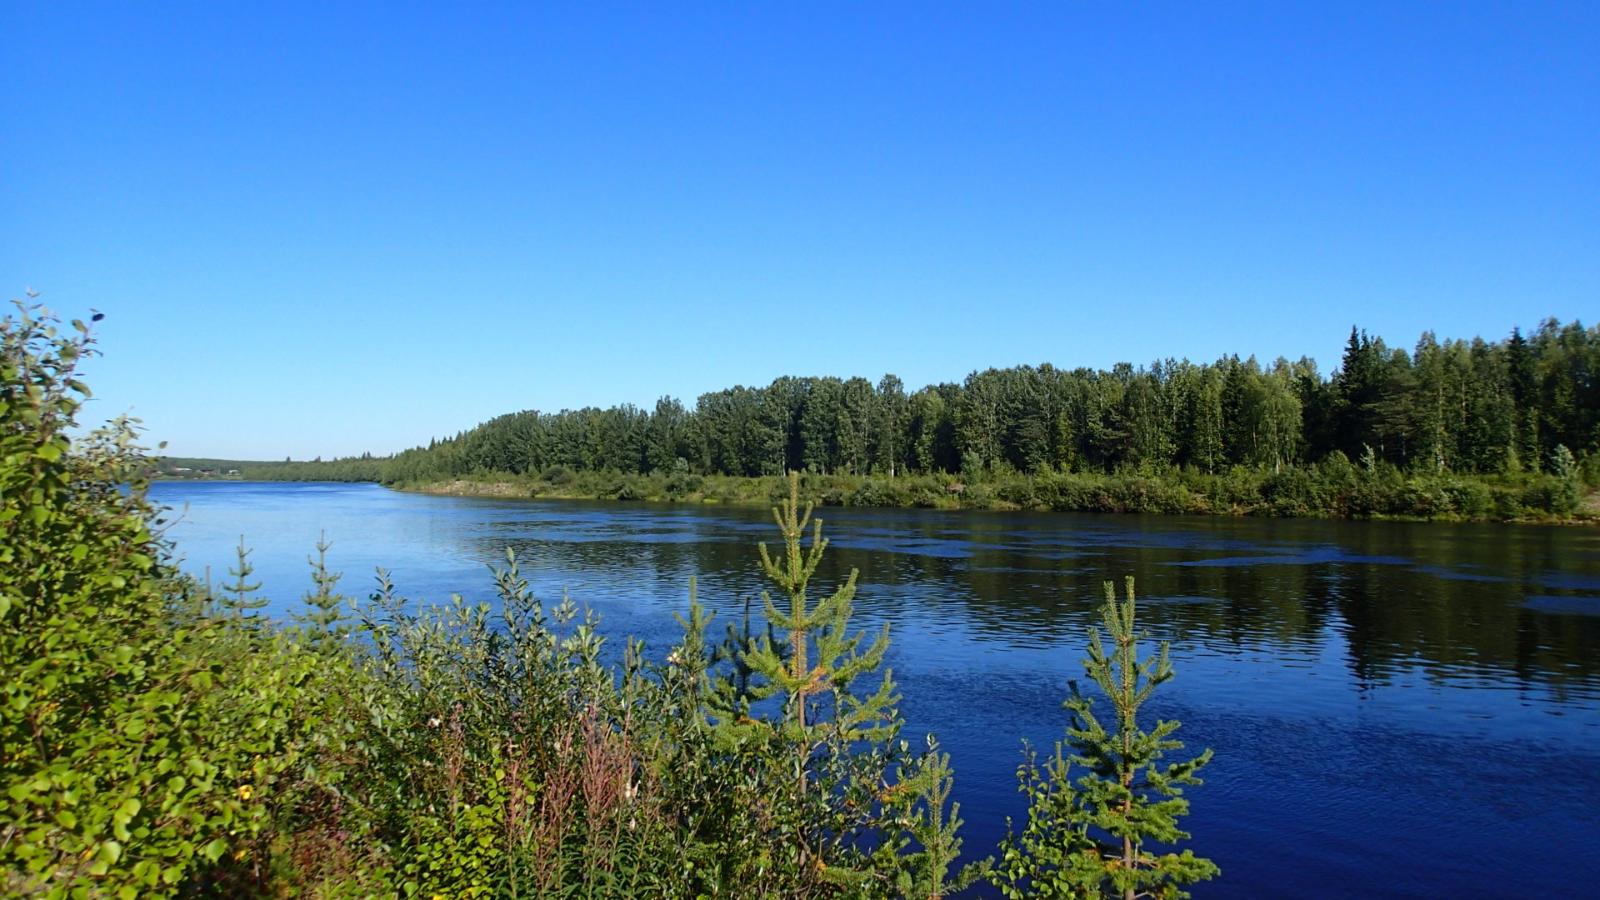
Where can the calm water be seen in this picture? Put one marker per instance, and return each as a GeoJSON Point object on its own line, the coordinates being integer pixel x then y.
{"type": "Point", "coordinates": [1396, 709]}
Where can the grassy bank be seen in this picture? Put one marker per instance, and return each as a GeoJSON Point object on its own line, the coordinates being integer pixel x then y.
{"type": "Point", "coordinates": [1331, 490]}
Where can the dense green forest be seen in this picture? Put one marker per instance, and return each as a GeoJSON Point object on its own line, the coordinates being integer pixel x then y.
{"type": "Point", "coordinates": [163, 738]}
{"type": "Point", "coordinates": [1461, 428]}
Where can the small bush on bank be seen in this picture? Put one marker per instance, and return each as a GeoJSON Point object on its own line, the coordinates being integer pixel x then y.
{"type": "Point", "coordinates": [557, 475]}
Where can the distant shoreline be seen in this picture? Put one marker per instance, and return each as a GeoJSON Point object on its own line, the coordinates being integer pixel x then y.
{"type": "Point", "coordinates": [1313, 492]}
{"type": "Point", "coordinates": [847, 491]}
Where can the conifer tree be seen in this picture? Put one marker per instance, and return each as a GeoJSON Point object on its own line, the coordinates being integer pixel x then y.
{"type": "Point", "coordinates": [925, 870]}
{"type": "Point", "coordinates": [841, 741]}
{"type": "Point", "coordinates": [692, 659]}
{"type": "Point", "coordinates": [825, 628]}
{"type": "Point", "coordinates": [730, 692]}
{"type": "Point", "coordinates": [324, 618]}
{"type": "Point", "coordinates": [1089, 837]}
{"type": "Point", "coordinates": [242, 587]}
{"type": "Point", "coordinates": [1564, 468]}
{"type": "Point", "coordinates": [1522, 381]}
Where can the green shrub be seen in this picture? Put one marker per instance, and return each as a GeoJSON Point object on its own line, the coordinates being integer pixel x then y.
{"type": "Point", "coordinates": [978, 496]}
{"type": "Point", "coordinates": [1508, 502]}
{"type": "Point", "coordinates": [1290, 493]}
{"type": "Point", "coordinates": [881, 492]}
{"type": "Point", "coordinates": [681, 482]}
{"type": "Point", "coordinates": [1551, 493]}
{"type": "Point", "coordinates": [1018, 491]}
{"type": "Point", "coordinates": [144, 745]}
{"type": "Point", "coordinates": [1469, 499]}
{"type": "Point", "coordinates": [629, 488]}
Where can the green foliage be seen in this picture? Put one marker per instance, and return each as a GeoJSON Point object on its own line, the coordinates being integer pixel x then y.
{"type": "Point", "coordinates": [83, 666]}
{"type": "Point", "coordinates": [142, 745]}
{"type": "Point", "coordinates": [324, 620]}
{"type": "Point", "coordinates": [1567, 485]}
{"type": "Point", "coordinates": [1330, 488]}
{"type": "Point", "coordinates": [239, 600]}
{"type": "Point", "coordinates": [161, 738]}
{"type": "Point", "coordinates": [1088, 837]}
{"type": "Point", "coordinates": [847, 808]}
{"type": "Point", "coordinates": [931, 845]}
{"type": "Point", "coordinates": [824, 626]}
{"type": "Point", "coordinates": [1167, 437]}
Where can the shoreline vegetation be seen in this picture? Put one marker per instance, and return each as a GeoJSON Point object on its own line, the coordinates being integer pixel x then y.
{"type": "Point", "coordinates": [1524, 500]}
{"type": "Point", "coordinates": [1452, 429]}
{"type": "Point", "coordinates": [160, 737]}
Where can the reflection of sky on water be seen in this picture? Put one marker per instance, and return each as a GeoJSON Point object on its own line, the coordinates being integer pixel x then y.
{"type": "Point", "coordinates": [1463, 573]}
{"type": "Point", "coordinates": [1568, 606]}
{"type": "Point", "coordinates": [1310, 556]}
{"type": "Point", "coordinates": [1570, 581]}
{"type": "Point", "coordinates": [1337, 668]}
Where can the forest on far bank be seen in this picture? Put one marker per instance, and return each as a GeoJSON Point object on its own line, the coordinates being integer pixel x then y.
{"type": "Point", "coordinates": [1518, 416]}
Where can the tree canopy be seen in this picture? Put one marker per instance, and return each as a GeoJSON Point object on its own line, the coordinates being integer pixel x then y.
{"type": "Point", "coordinates": [1460, 406]}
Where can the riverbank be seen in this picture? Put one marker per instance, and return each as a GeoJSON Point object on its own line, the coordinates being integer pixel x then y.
{"type": "Point", "coordinates": [1316, 493]}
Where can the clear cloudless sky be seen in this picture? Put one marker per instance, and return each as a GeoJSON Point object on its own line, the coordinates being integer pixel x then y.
{"type": "Point", "coordinates": [327, 228]}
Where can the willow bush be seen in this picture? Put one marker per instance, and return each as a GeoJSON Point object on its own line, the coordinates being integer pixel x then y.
{"type": "Point", "coordinates": [147, 744]}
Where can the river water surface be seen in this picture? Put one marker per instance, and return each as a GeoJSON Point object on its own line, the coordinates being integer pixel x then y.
{"type": "Point", "coordinates": [1396, 709]}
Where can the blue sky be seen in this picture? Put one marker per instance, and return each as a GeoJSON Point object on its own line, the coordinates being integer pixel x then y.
{"type": "Point", "coordinates": [322, 231]}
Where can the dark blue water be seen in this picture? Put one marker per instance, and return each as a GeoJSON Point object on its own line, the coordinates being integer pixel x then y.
{"type": "Point", "coordinates": [1406, 710]}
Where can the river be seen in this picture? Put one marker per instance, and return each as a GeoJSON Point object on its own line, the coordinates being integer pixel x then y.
{"type": "Point", "coordinates": [1397, 709]}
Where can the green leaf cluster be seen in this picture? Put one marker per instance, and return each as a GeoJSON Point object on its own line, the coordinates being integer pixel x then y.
{"type": "Point", "coordinates": [143, 745]}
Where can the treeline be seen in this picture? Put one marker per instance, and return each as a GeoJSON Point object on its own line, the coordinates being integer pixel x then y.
{"type": "Point", "coordinates": [1457, 406]}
